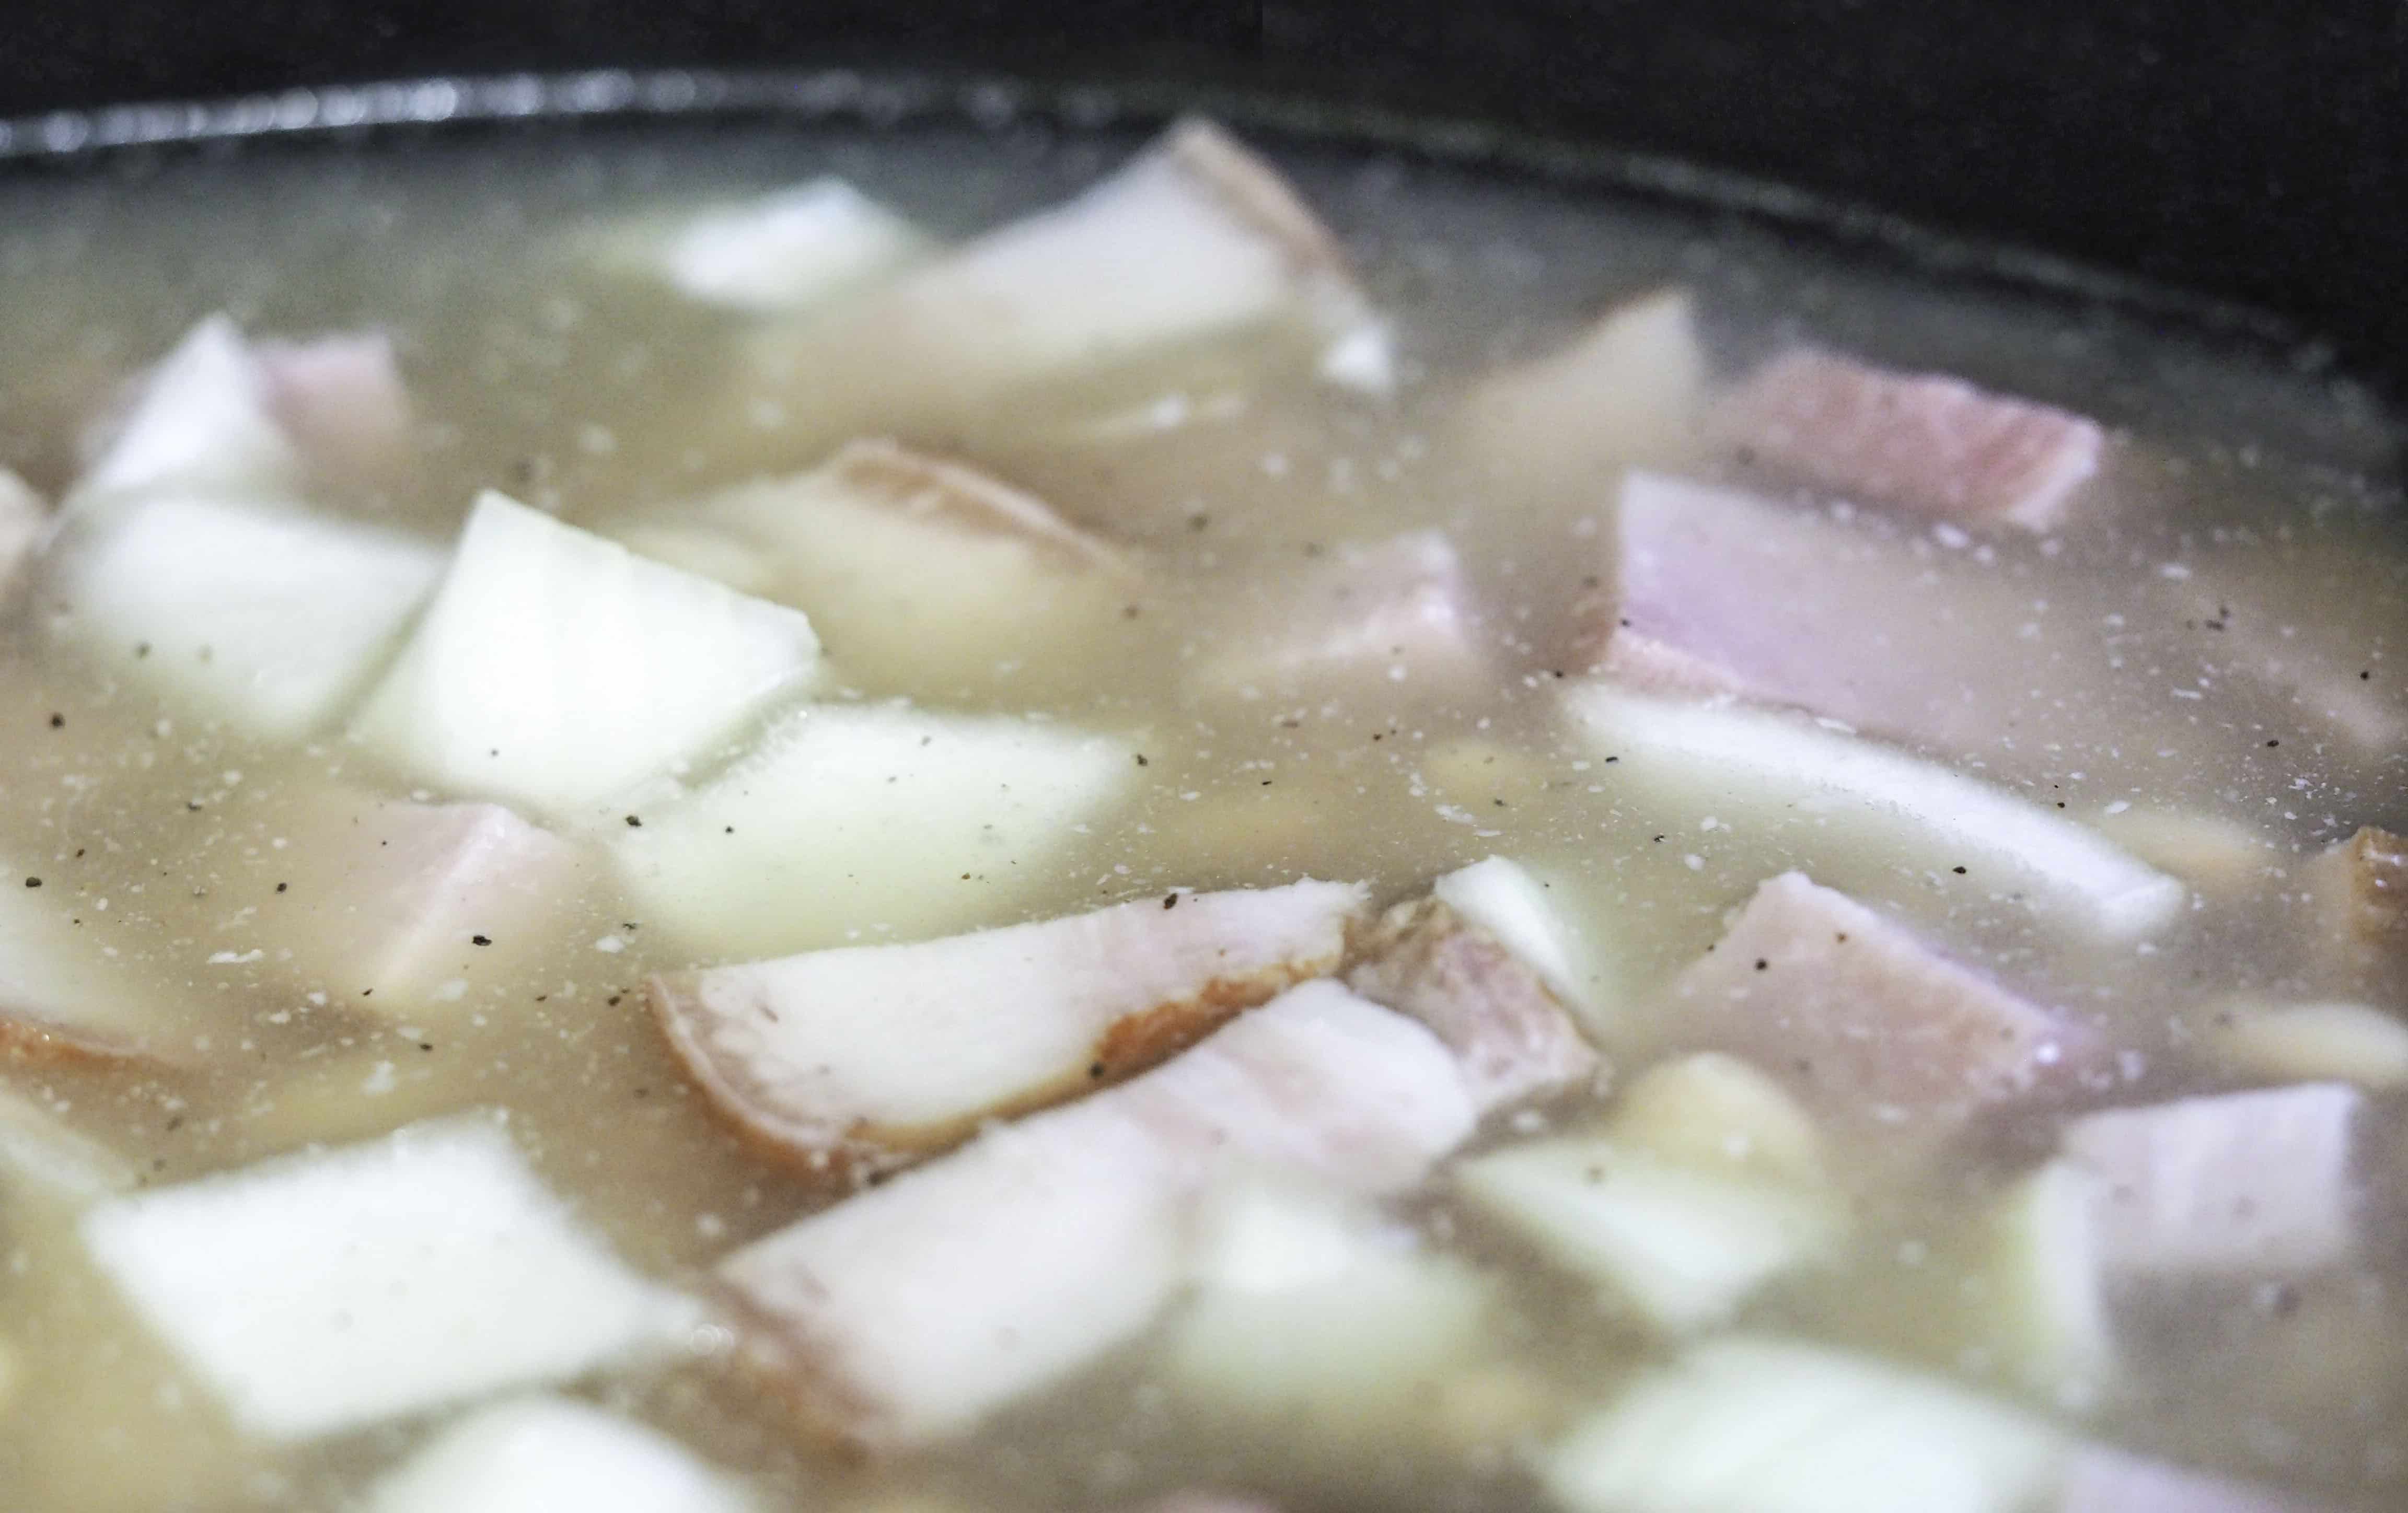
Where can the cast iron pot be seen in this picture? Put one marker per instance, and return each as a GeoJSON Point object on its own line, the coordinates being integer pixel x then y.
{"type": "Point", "coordinates": [2234, 164]}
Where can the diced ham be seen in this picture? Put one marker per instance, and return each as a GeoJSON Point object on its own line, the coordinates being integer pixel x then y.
{"type": "Point", "coordinates": [2236, 1184]}
{"type": "Point", "coordinates": [341, 400]}
{"type": "Point", "coordinates": [386, 902]}
{"type": "Point", "coordinates": [1867, 1022]}
{"type": "Point", "coordinates": [2102, 1480]}
{"type": "Point", "coordinates": [1925, 442]}
{"type": "Point", "coordinates": [907, 1313]}
{"type": "Point", "coordinates": [867, 1058]}
{"type": "Point", "coordinates": [2359, 892]}
{"type": "Point", "coordinates": [1721, 592]}
{"type": "Point", "coordinates": [1628, 390]}
{"type": "Point", "coordinates": [1396, 612]}
{"type": "Point", "coordinates": [1492, 1009]}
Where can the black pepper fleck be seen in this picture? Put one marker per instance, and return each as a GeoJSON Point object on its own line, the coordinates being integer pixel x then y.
{"type": "Point", "coordinates": [1960, 871]}
{"type": "Point", "coordinates": [58, 722]}
{"type": "Point", "coordinates": [32, 883]}
{"type": "Point", "coordinates": [634, 823]}
{"type": "Point", "coordinates": [1171, 901]}
{"type": "Point", "coordinates": [480, 940]}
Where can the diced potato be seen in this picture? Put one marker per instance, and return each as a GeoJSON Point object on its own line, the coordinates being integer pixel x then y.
{"type": "Point", "coordinates": [265, 617]}
{"type": "Point", "coordinates": [1628, 391]}
{"type": "Point", "coordinates": [1712, 1110]}
{"type": "Point", "coordinates": [1867, 811]}
{"type": "Point", "coordinates": [555, 669]}
{"type": "Point", "coordinates": [928, 576]}
{"type": "Point", "coordinates": [321, 1292]}
{"type": "Point", "coordinates": [775, 253]}
{"type": "Point", "coordinates": [1681, 1246]}
{"type": "Point", "coordinates": [201, 425]}
{"type": "Point", "coordinates": [554, 1455]}
{"type": "Point", "coordinates": [1310, 1313]}
{"type": "Point", "coordinates": [866, 823]}
{"type": "Point", "coordinates": [1748, 1425]}
{"type": "Point", "coordinates": [2313, 1043]}
{"type": "Point", "coordinates": [1195, 242]}
{"type": "Point", "coordinates": [40, 1151]}
{"type": "Point", "coordinates": [2038, 1302]}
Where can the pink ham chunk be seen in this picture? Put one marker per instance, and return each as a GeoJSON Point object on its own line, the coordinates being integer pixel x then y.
{"type": "Point", "coordinates": [1398, 613]}
{"type": "Point", "coordinates": [398, 906]}
{"type": "Point", "coordinates": [1513, 1037]}
{"type": "Point", "coordinates": [1935, 445]}
{"type": "Point", "coordinates": [341, 400]}
{"type": "Point", "coordinates": [1867, 1022]}
{"type": "Point", "coordinates": [908, 1313]}
{"type": "Point", "coordinates": [2102, 1480]}
{"type": "Point", "coordinates": [867, 1058]}
{"type": "Point", "coordinates": [2236, 1184]}
{"type": "Point", "coordinates": [1719, 592]}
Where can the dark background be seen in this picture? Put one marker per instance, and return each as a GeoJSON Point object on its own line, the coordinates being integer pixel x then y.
{"type": "Point", "coordinates": [2256, 150]}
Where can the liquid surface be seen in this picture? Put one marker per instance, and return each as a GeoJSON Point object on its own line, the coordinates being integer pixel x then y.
{"type": "Point", "coordinates": [2206, 662]}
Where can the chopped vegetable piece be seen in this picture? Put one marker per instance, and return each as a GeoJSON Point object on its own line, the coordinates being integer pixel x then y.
{"type": "Point", "coordinates": [852, 820]}
{"type": "Point", "coordinates": [2314, 1042]}
{"type": "Point", "coordinates": [1784, 774]}
{"type": "Point", "coordinates": [1314, 1314]}
{"type": "Point", "coordinates": [1195, 240]}
{"type": "Point", "coordinates": [1682, 1247]}
{"type": "Point", "coordinates": [404, 908]}
{"type": "Point", "coordinates": [2235, 1184]}
{"type": "Point", "coordinates": [2039, 1300]}
{"type": "Point", "coordinates": [39, 1150]}
{"type": "Point", "coordinates": [550, 1455]}
{"type": "Point", "coordinates": [1872, 1025]}
{"type": "Point", "coordinates": [906, 1314]}
{"type": "Point", "coordinates": [1721, 592]}
{"type": "Point", "coordinates": [2359, 891]}
{"type": "Point", "coordinates": [1748, 1425]}
{"type": "Point", "coordinates": [2104, 1480]}
{"type": "Point", "coordinates": [267, 618]}
{"type": "Point", "coordinates": [1396, 612]}
{"type": "Point", "coordinates": [1710, 1110]}
{"type": "Point", "coordinates": [1928, 443]}
{"type": "Point", "coordinates": [202, 423]}
{"type": "Point", "coordinates": [930, 574]}
{"type": "Point", "coordinates": [1491, 1007]}
{"type": "Point", "coordinates": [555, 669]}
{"type": "Point", "coordinates": [785, 250]}
{"type": "Point", "coordinates": [1506, 899]}
{"type": "Point", "coordinates": [868, 1058]}
{"type": "Point", "coordinates": [1628, 390]}
{"type": "Point", "coordinates": [323, 1292]}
